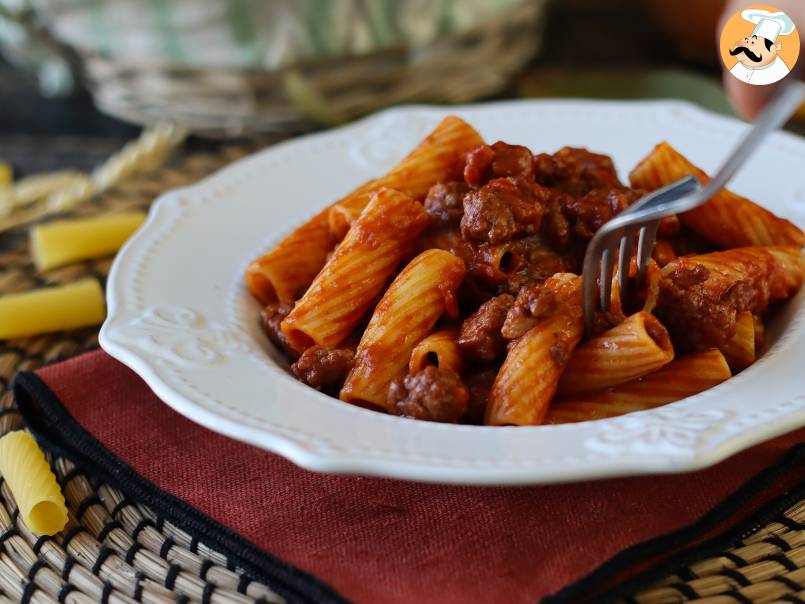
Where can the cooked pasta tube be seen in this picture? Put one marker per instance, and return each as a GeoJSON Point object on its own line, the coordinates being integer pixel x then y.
{"type": "Point", "coordinates": [529, 376]}
{"type": "Point", "coordinates": [652, 290]}
{"type": "Point", "coordinates": [28, 475]}
{"type": "Point", "coordinates": [438, 349]}
{"type": "Point", "coordinates": [70, 306]}
{"type": "Point", "coordinates": [438, 158]}
{"type": "Point", "coordinates": [282, 274]}
{"type": "Point", "coordinates": [637, 346]}
{"type": "Point", "coordinates": [679, 379]}
{"type": "Point", "coordinates": [740, 349]}
{"type": "Point", "coordinates": [66, 241]}
{"type": "Point", "coordinates": [727, 219]}
{"type": "Point", "coordinates": [357, 271]}
{"type": "Point", "coordinates": [420, 294]}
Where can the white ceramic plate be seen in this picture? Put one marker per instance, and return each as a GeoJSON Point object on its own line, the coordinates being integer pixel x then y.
{"type": "Point", "coordinates": [180, 316]}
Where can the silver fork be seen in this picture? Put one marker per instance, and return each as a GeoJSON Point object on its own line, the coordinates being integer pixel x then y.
{"type": "Point", "coordinates": [641, 219]}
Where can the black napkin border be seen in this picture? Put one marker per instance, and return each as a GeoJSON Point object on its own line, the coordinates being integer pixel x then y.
{"type": "Point", "coordinates": [597, 586]}
{"type": "Point", "coordinates": [71, 441]}
{"type": "Point", "coordinates": [298, 586]}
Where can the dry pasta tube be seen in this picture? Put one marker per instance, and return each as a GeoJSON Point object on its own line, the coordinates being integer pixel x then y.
{"type": "Point", "coordinates": [28, 475]}
{"type": "Point", "coordinates": [354, 276]}
{"type": "Point", "coordinates": [70, 306]}
{"type": "Point", "coordinates": [679, 379]}
{"type": "Point", "coordinates": [6, 175]}
{"type": "Point", "coordinates": [527, 380]}
{"type": "Point", "coordinates": [414, 301]}
{"type": "Point", "coordinates": [740, 349]}
{"type": "Point", "coordinates": [633, 348]}
{"type": "Point", "coordinates": [438, 349]}
{"type": "Point", "coordinates": [67, 241]}
{"type": "Point", "coordinates": [727, 219]}
{"type": "Point", "coordinates": [438, 158]}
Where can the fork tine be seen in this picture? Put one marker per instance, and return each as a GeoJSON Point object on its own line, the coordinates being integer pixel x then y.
{"type": "Point", "coordinates": [624, 259]}
{"type": "Point", "coordinates": [607, 262]}
{"type": "Point", "coordinates": [645, 245]}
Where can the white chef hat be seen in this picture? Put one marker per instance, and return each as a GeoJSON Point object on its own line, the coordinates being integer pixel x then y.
{"type": "Point", "coordinates": [768, 25]}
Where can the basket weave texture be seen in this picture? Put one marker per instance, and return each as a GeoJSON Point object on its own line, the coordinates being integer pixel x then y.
{"type": "Point", "coordinates": [116, 550]}
{"type": "Point", "coordinates": [456, 68]}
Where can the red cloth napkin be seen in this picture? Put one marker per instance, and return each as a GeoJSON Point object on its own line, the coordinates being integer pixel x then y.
{"type": "Point", "coordinates": [378, 540]}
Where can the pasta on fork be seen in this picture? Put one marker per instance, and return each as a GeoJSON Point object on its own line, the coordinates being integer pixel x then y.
{"type": "Point", "coordinates": [449, 289]}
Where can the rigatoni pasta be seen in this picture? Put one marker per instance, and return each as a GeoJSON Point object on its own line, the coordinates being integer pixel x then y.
{"type": "Point", "coordinates": [420, 294]}
{"type": "Point", "coordinates": [33, 484]}
{"type": "Point", "coordinates": [727, 220]}
{"type": "Point", "coordinates": [439, 349]}
{"type": "Point", "coordinates": [679, 379]}
{"type": "Point", "coordinates": [66, 241]}
{"type": "Point", "coordinates": [637, 346]}
{"type": "Point", "coordinates": [438, 158]}
{"type": "Point", "coordinates": [527, 381]}
{"type": "Point", "coordinates": [285, 272]}
{"type": "Point", "coordinates": [357, 271]}
{"type": "Point", "coordinates": [58, 308]}
{"type": "Point", "coordinates": [484, 325]}
{"type": "Point", "coordinates": [739, 350]}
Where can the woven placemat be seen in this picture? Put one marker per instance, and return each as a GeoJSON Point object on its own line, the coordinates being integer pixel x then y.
{"type": "Point", "coordinates": [116, 550]}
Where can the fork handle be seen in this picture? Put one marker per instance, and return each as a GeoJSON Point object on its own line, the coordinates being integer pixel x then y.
{"type": "Point", "coordinates": [782, 106]}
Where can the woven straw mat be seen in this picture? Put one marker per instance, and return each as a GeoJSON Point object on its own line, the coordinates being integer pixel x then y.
{"type": "Point", "coordinates": [767, 566]}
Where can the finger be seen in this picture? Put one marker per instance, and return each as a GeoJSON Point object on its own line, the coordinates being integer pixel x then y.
{"type": "Point", "coordinates": [749, 99]}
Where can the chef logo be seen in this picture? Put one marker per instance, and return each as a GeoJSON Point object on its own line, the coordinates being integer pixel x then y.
{"type": "Point", "coordinates": [759, 45]}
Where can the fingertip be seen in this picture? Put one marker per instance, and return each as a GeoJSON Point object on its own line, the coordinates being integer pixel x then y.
{"type": "Point", "coordinates": [747, 99]}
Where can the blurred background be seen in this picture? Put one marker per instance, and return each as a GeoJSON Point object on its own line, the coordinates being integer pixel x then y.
{"type": "Point", "coordinates": [78, 77]}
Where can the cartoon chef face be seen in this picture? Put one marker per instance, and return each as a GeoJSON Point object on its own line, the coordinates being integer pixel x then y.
{"type": "Point", "coordinates": [755, 51]}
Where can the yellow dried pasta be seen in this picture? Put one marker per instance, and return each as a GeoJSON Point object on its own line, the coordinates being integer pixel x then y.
{"type": "Point", "coordinates": [6, 175]}
{"type": "Point", "coordinates": [28, 475]}
{"type": "Point", "coordinates": [67, 241]}
{"type": "Point", "coordinates": [78, 304]}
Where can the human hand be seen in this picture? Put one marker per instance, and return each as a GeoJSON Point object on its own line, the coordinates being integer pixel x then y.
{"type": "Point", "coordinates": [749, 99]}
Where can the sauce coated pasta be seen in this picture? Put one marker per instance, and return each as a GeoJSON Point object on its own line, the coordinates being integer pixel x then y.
{"type": "Point", "coordinates": [449, 289]}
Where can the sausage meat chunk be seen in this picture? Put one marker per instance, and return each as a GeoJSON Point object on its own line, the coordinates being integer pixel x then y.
{"type": "Point", "coordinates": [432, 394]}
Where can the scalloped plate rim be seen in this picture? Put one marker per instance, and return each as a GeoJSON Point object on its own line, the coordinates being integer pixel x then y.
{"type": "Point", "coordinates": [307, 456]}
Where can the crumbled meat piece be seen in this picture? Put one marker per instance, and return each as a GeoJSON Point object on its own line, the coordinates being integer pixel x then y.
{"type": "Point", "coordinates": [321, 367]}
{"type": "Point", "coordinates": [532, 262]}
{"type": "Point", "coordinates": [432, 394]}
{"type": "Point", "coordinates": [479, 384]}
{"type": "Point", "coordinates": [700, 305]}
{"type": "Point", "coordinates": [477, 167]}
{"type": "Point", "coordinates": [271, 317]}
{"type": "Point", "coordinates": [591, 211]}
{"type": "Point", "coordinates": [512, 160]}
{"type": "Point", "coordinates": [575, 171]}
{"type": "Point", "coordinates": [501, 159]}
{"type": "Point", "coordinates": [480, 337]}
{"type": "Point", "coordinates": [444, 202]}
{"type": "Point", "coordinates": [555, 226]}
{"type": "Point", "coordinates": [503, 209]}
{"type": "Point", "coordinates": [532, 304]}
{"type": "Point", "coordinates": [690, 276]}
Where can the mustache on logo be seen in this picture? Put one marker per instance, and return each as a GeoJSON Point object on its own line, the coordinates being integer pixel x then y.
{"type": "Point", "coordinates": [743, 49]}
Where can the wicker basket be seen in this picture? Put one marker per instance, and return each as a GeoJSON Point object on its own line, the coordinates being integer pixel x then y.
{"type": "Point", "coordinates": [465, 62]}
